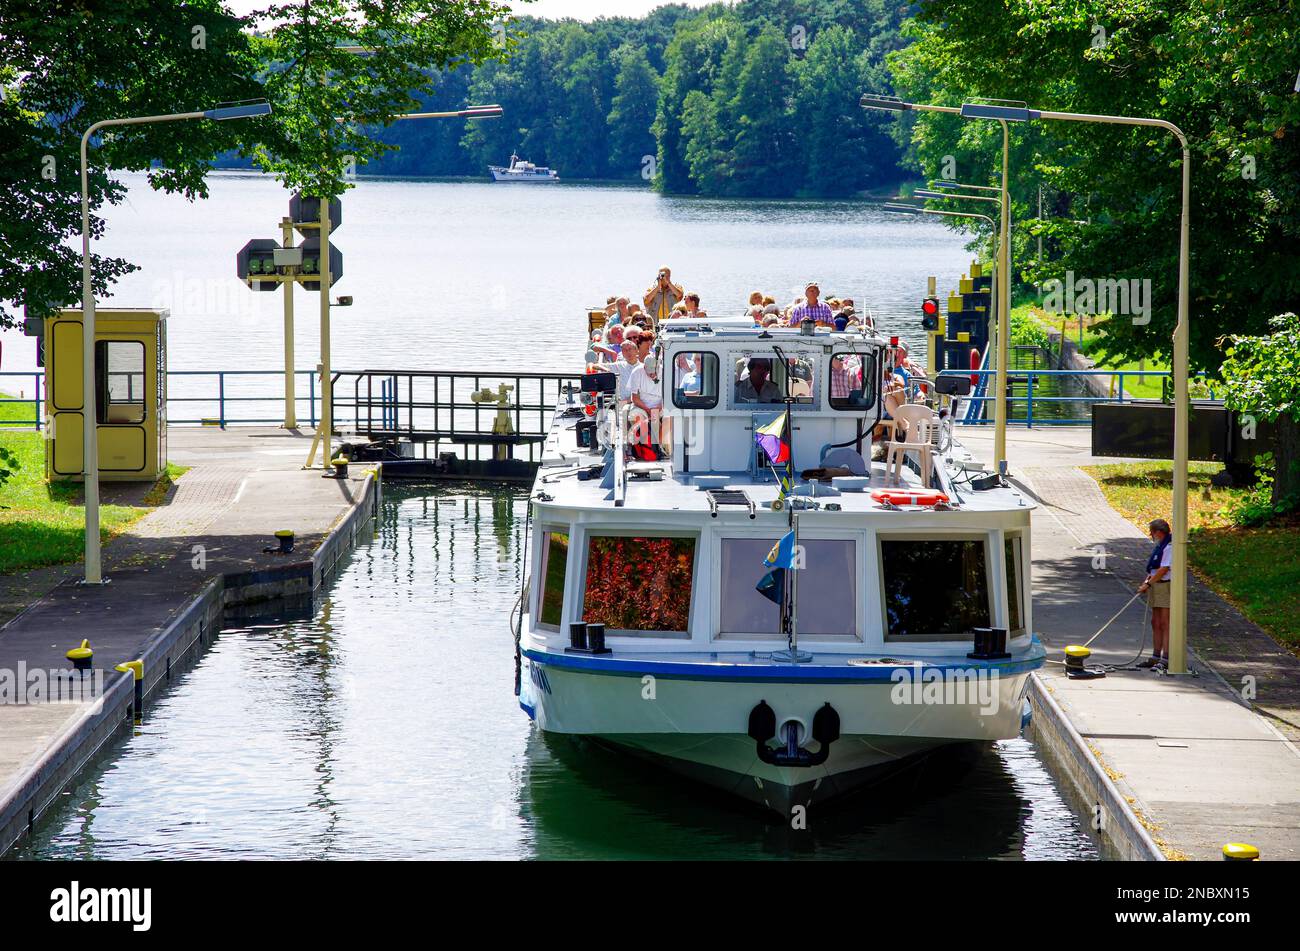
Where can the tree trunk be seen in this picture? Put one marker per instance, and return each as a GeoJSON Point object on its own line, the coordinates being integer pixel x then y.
{"type": "Point", "coordinates": [1286, 483]}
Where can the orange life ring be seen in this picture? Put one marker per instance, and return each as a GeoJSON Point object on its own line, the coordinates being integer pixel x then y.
{"type": "Point", "coordinates": [908, 496]}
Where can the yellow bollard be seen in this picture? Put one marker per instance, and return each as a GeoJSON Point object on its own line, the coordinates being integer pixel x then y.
{"type": "Point", "coordinates": [1240, 852]}
{"type": "Point", "coordinates": [136, 669]}
{"type": "Point", "coordinates": [82, 657]}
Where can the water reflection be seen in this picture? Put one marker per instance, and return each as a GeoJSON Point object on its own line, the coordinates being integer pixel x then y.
{"type": "Point", "coordinates": [381, 724]}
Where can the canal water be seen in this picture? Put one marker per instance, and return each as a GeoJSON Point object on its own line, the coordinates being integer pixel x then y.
{"type": "Point", "coordinates": [381, 723]}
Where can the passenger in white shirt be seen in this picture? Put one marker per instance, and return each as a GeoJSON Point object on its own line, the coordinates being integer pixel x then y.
{"type": "Point", "coordinates": [643, 389]}
{"type": "Point", "coordinates": [624, 366]}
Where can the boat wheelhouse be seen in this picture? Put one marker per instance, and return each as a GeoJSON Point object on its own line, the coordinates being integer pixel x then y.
{"type": "Point", "coordinates": [903, 622]}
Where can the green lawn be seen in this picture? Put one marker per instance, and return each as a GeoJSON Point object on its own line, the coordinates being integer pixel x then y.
{"type": "Point", "coordinates": [16, 413]}
{"type": "Point", "coordinates": [43, 523]}
{"type": "Point", "coordinates": [1145, 387]}
{"type": "Point", "coordinates": [1254, 568]}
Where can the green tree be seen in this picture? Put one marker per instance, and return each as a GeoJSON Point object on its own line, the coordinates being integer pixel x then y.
{"type": "Point", "coordinates": [842, 148]}
{"type": "Point", "coordinates": [707, 161]}
{"type": "Point", "coordinates": [1222, 70]}
{"type": "Point", "coordinates": [67, 66]}
{"type": "Point", "coordinates": [690, 63]}
{"type": "Point", "coordinates": [763, 156]}
{"type": "Point", "coordinates": [1261, 374]}
{"type": "Point", "coordinates": [70, 64]}
{"type": "Point", "coordinates": [329, 98]}
{"type": "Point", "coordinates": [632, 112]}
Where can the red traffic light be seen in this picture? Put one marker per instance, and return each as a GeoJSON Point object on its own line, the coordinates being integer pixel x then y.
{"type": "Point", "coordinates": [930, 306]}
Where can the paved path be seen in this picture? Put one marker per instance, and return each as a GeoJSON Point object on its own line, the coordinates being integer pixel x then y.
{"type": "Point", "coordinates": [243, 485]}
{"type": "Point", "coordinates": [1198, 764]}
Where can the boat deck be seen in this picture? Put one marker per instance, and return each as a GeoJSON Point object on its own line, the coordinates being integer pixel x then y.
{"type": "Point", "coordinates": [659, 486]}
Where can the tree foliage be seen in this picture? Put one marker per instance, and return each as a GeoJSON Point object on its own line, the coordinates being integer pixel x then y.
{"type": "Point", "coordinates": [71, 63]}
{"type": "Point", "coordinates": [1261, 375]}
{"type": "Point", "coordinates": [1224, 71]}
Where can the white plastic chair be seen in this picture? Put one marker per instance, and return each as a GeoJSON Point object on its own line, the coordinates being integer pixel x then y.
{"type": "Point", "coordinates": [920, 422]}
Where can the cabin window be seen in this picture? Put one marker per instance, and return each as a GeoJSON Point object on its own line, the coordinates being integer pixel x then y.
{"type": "Point", "coordinates": [827, 602]}
{"type": "Point", "coordinates": [761, 378]}
{"type": "Point", "coordinates": [1015, 620]}
{"type": "Point", "coordinates": [934, 589]}
{"type": "Point", "coordinates": [639, 582]}
{"type": "Point", "coordinates": [119, 373]}
{"type": "Point", "coordinates": [852, 383]}
{"type": "Point", "coordinates": [555, 558]}
{"type": "Point", "coordinates": [695, 380]}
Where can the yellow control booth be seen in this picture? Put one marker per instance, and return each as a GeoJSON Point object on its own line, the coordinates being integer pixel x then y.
{"type": "Point", "coordinates": [130, 394]}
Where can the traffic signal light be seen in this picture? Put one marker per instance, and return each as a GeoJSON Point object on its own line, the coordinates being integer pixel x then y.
{"type": "Point", "coordinates": [256, 258]}
{"type": "Point", "coordinates": [930, 313]}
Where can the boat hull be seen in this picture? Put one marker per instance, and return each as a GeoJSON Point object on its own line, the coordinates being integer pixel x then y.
{"type": "Point", "coordinates": [510, 177]}
{"type": "Point", "coordinates": [696, 724]}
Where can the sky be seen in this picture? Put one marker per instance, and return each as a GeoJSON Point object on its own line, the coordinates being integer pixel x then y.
{"type": "Point", "coordinates": [549, 9]}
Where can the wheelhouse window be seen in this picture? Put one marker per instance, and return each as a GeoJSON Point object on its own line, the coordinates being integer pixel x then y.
{"type": "Point", "coordinates": [827, 599]}
{"type": "Point", "coordinates": [555, 558]}
{"type": "Point", "coordinates": [639, 583]}
{"type": "Point", "coordinates": [1015, 620]}
{"type": "Point", "coordinates": [852, 381]}
{"type": "Point", "coordinates": [119, 373]}
{"type": "Point", "coordinates": [934, 588]}
{"type": "Point", "coordinates": [762, 377]}
{"type": "Point", "coordinates": [695, 380]}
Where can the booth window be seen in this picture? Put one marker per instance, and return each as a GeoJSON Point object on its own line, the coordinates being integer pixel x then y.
{"type": "Point", "coordinates": [695, 380]}
{"type": "Point", "coordinates": [120, 379]}
{"type": "Point", "coordinates": [639, 582]}
{"type": "Point", "coordinates": [1014, 620]}
{"type": "Point", "coordinates": [555, 557]}
{"type": "Point", "coordinates": [761, 378]}
{"type": "Point", "coordinates": [934, 588]}
{"type": "Point", "coordinates": [852, 381]}
{"type": "Point", "coordinates": [828, 595]}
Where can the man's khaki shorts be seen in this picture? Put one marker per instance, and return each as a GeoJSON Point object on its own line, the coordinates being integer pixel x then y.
{"type": "Point", "coordinates": [1158, 595]}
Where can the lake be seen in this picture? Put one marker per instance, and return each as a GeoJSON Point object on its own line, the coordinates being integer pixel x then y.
{"type": "Point", "coordinates": [475, 275]}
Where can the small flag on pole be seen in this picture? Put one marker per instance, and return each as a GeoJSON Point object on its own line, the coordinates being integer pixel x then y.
{"type": "Point", "coordinates": [779, 559]}
{"type": "Point", "coordinates": [774, 441]}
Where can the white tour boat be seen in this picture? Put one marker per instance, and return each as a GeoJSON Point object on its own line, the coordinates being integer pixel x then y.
{"type": "Point", "coordinates": [897, 617]}
{"type": "Point", "coordinates": [521, 171]}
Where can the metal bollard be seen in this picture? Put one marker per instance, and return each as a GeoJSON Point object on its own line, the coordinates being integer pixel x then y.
{"type": "Point", "coordinates": [136, 669]}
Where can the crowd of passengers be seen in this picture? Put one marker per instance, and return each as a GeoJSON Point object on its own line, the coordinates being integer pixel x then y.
{"type": "Point", "coordinates": [627, 343]}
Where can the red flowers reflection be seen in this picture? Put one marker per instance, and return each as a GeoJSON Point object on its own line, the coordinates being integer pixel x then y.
{"type": "Point", "coordinates": [639, 584]}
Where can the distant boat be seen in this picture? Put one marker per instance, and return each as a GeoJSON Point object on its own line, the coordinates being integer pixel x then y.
{"type": "Point", "coordinates": [521, 171]}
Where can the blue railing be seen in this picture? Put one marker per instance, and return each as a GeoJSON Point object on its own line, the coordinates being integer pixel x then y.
{"type": "Point", "coordinates": [193, 397]}
{"type": "Point", "coordinates": [257, 396]}
{"type": "Point", "coordinates": [1039, 393]}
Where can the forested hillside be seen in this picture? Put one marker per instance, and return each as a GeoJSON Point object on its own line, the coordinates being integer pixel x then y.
{"type": "Point", "coordinates": [756, 99]}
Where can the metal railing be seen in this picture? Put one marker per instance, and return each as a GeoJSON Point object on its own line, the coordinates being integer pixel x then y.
{"type": "Point", "coordinates": [435, 405]}
{"type": "Point", "coordinates": [1039, 395]}
{"type": "Point", "coordinates": [452, 406]}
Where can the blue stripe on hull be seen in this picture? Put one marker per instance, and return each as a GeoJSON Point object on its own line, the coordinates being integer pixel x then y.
{"type": "Point", "coordinates": [612, 665]}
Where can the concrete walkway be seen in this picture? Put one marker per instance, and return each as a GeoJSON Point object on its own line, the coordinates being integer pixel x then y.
{"type": "Point", "coordinates": [1197, 764]}
{"type": "Point", "coordinates": [243, 486]}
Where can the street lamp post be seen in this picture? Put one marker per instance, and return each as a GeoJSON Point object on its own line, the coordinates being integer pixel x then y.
{"type": "Point", "coordinates": [89, 385]}
{"type": "Point", "coordinates": [1003, 301]}
{"type": "Point", "coordinates": [1182, 330]}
